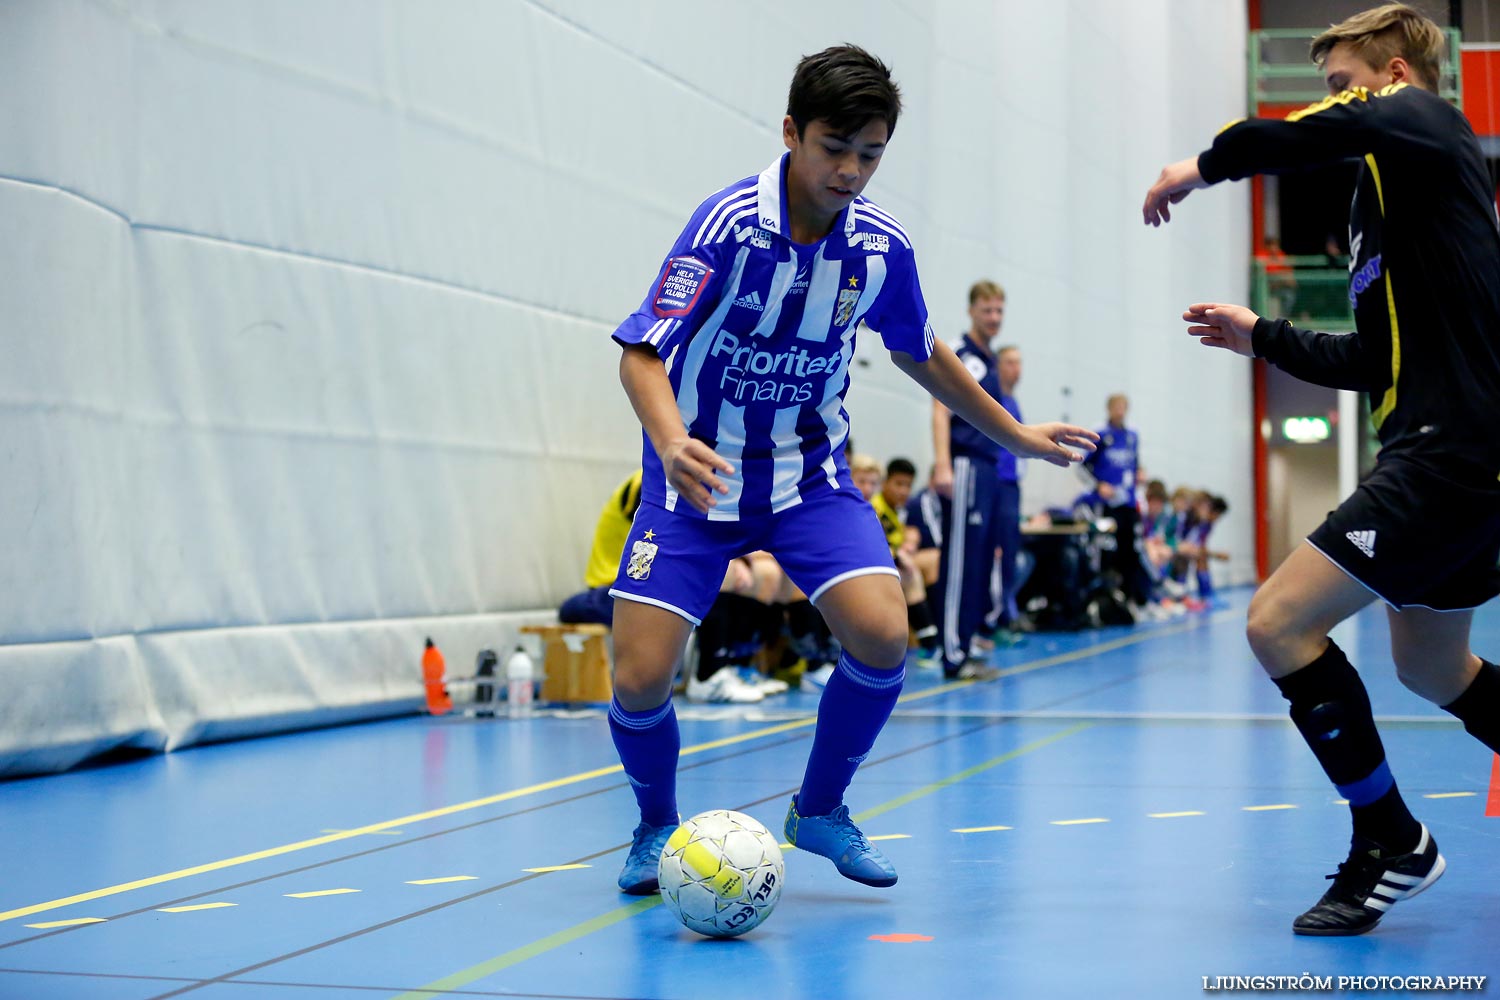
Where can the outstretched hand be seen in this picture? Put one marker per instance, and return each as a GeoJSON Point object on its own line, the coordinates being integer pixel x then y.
{"type": "Point", "coordinates": [1176, 182]}
{"type": "Point", "coordinates": [690, 465]}
{"type": "Point", "coordinates": [1228, 327]}
{"type": "Point", "coordinates": [1050, 442]}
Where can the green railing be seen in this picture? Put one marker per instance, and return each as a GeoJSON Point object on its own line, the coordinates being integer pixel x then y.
{"type": "Point", "coordinates": [1306, 290]}
{"type": "Point", "coordinates": [1282, 73]}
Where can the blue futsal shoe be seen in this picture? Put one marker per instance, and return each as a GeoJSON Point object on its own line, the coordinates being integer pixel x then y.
{"type": "Point", "coordinates": [837, 838]}
{"type": "Point", "coordinates": [639, 876]}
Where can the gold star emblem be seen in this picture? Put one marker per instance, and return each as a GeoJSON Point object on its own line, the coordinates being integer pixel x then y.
{"type": "Point", "coordinates": [853, 282]}
{"type": "Point", "coordinates": [650, 534]}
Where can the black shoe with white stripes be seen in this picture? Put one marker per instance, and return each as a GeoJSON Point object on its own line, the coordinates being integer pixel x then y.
{"type": "Point", "coordinates": [1369, 884]}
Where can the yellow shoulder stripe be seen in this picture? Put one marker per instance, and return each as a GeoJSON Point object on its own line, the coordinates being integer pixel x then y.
{"type": "Point", "coordinates": [1352, 94]}
{"type": "Point", "coordinates": [1393, 88]}
{"type": "Point", "coordinates": [1228, 126]}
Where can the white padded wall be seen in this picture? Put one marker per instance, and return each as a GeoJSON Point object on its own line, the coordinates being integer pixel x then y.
{"type": "Point", "coordinates": [305, 326]}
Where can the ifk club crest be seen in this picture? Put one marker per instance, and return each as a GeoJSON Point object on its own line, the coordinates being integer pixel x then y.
{"type": "Point", "coordinates": [642, 555]}
{"type": "Point", "coordinates": [848, 299]}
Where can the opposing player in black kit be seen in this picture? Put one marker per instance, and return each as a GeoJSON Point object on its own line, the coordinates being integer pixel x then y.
{"type": "Point", "coordinates": [1422, 532]}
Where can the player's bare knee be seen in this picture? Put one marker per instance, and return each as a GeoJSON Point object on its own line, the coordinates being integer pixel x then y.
{"type": "Point", "coordinates": [1262, 627]}
{"type": "Point", "coordinates": [880, 644]}
{"type": "Point", "coordinates": [891, 649]}
{"type": "Point", "coordinates": [641, 680]}
{"type": "Point", "coordinates": [1270, 632]}
{"type": "Point", "coordinates": [639, 690]}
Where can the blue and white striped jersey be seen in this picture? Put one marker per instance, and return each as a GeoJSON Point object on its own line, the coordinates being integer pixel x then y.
{"type": "Point", "coordinates": [757, 333]}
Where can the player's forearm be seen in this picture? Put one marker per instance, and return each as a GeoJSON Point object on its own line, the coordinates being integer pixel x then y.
{"type": "Point", "coordinates": [1270, 146]}
{"type": "Point", "coordinates": [1328, 359]}
{"type": "Point", "coordinates": [645, 380]}
{"type": "Point", "coordinates": [949, 382]}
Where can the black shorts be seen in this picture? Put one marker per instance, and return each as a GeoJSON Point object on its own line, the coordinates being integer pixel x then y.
{"type": "Point", "coordinates": [1417, 538]}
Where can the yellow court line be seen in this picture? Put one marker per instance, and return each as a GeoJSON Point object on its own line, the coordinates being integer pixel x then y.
{"type": "Point", "coordinates": [556, 868]}
{"type": "Point", "coordinates": [980, 829]}
{"type": "Point", "coordinates": [572, 779]}
{"type": "Point", "coordinates": [1186, 812]}
{"type": "Point", "coordinates": [1078, 822]}
{"type": "Point", "coordinates": [458, 980]}
{"type": "Point", "coordinates": [195, 908]}
{"type": "Point", "coordinates": [515, 956]}
{"type": "Point", "coordinates": [319, 892]}
{"type": "Point", "coordinates": [440, 881]}
{"type": "Point", "coordinates": [75, 922]}
{"type": "Point", "coordinates": [1450, 795]}
{"type": "Point", "coordinates": [383, 833]}
{"type": "Point", "coordinates": [891, 836]}
{"type": "Point", "coordinates": [1260, 809]}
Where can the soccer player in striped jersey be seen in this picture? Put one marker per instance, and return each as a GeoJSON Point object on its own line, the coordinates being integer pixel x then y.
{"type": "Point", "coordinates": [736, 364]}
{"type": "Point", "coordinates": [1422, 531]}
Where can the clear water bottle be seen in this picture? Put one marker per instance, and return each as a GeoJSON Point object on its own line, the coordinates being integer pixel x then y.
{"type": "Point", "coordinates": [519, 674]}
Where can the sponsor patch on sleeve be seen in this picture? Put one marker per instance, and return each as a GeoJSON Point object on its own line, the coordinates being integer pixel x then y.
{"type": "Point", "coordinates": [682, 282]}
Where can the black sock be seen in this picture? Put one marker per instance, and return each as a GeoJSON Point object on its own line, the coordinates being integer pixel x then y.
{"type": "Point", "coordinates": [714, 638]}
{"type": "Point", "coordinates": [1478, 708]}
{"type": "Point", "coordinates": [805, 627]}
{"type": "Point", "coordinates": [919, 619]}
{"type": "Point", "coordinates": [746, 624]}
{"type": "Point", "coordinates": [1331, 709]}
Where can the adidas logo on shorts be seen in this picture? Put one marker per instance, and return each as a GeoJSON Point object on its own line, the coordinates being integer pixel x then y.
{"type": "Point", "coordinates": [1364, 541]}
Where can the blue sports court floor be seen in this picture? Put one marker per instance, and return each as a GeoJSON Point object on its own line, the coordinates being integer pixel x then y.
{"type": "Point", "coordinates": [1123, 814]}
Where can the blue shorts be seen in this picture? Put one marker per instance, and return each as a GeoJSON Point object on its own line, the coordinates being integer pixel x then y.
{"type": "Point", "coordinates": [678, 562]}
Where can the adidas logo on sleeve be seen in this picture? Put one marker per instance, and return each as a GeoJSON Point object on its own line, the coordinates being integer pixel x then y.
{"type": "Point", "coordinates": [1364, 541]}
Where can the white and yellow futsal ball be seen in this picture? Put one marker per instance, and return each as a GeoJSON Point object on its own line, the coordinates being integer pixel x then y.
{"type": "Point", "coordinates": [721, 873]}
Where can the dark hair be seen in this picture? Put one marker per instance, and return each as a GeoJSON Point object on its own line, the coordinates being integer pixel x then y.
{"type": "Point", "coordinates": [844, 86]}
{"type": "Point", "coordinates": [1156, 490]}
{"type": "Point", "coordinates": [1218, 505]}
{"type": "Point", "coordinates": [900, 467]}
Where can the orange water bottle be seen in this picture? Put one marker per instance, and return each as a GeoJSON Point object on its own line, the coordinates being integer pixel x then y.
{"type": "Point", "coordinates": [438, 702]}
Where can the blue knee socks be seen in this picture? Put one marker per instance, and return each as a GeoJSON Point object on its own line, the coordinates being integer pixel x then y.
{"type": "Point", "coordinates": [647, 743]}
{"type": "Point", "coordinates": [855, 706]}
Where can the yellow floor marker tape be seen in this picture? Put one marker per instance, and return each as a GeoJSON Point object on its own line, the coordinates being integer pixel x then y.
{"type": "Point", "coordinates": [1261, 809]}
{"type": "Point", "coordinates": [1078, 822]}
{"type": "Point", "coordinates": [980, 829]}
{"type": "Point", "coordinates": [75, 922]}
{"type": "Point", "coordinates": [195, 908]}
{"type": "Point", "coordinates": [440, 881]}
{"type": "Point", "coordinates": [555, 868]}
{"type": "Point", "coordinates": [459, 980]}
{"type": "Point", "coordinates": [1186, 812]}
{"type": "Point", "coordinates": [319, 892]}
{"type": "Point", "coordinates": [1450, 795]}
{"type": "Point", "coordinates": [892, 836]}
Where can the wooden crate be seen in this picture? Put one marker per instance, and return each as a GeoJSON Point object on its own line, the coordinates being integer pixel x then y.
{"type": "Point", "coordinates": [575, 662]}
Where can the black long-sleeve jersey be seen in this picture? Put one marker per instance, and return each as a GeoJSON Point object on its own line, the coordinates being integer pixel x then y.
{"type": "Point", "coordinates": [1424, 275]}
